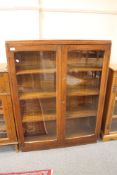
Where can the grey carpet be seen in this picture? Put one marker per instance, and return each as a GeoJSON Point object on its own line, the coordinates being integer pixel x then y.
{"type": "Point", "coordinates": [92, 159]}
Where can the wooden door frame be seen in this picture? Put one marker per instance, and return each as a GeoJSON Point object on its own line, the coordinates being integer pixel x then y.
{"type": "Point", "coordinates": [111, 103]}
{"type": "Point", "coordinates": [11, 50]}
{"type": "Point", "coordinates": [102, 92]}
{"type": "Point", "coordinates": [103, 85]}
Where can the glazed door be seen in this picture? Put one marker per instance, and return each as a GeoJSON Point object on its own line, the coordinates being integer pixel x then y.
{"type": "Point", "coordinates": [7, 126]}
{"type": "Point", "coordinates": [36, 78]}
{"type": "Point", "coordinates": [111, 116]}
{"type": "Point", "coordinates": [81, 82]}
{"type": "Point", "coordinates": [113, 123]}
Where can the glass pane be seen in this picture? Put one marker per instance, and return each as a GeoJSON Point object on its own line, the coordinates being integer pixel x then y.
{"type": "Point", "coordinates": [3, 132]}
{"type": "Point", "coordinates": [35, 60]}
{"type": "Point", "coordinates": [115, 108]}
{"type": "Point", "coordinates": [83, 85]}
{"type": "Point", "coordinates": [83, 82]}
{"type": "Point", "coordinates": [40, 130]}
{"type": "Point", "coordinates": [81, 113]}
{"type": "Point", "coordinates": [81, 105]}
{"type": "Point", "coordinates": [80, 126]}
{"type": "Point", "coordinates": [38, 107]}
{"type": "Point", "coordinates": [36, 80]}
{"type": "Point", "coordinates": [114, 118]}
{"type": "Point", "coordinates": [114, 125]}
{"type": "Point", "coordinates": [42, 82]}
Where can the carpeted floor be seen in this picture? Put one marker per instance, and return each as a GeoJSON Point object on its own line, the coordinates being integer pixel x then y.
{"type": "Point", "coordinates": [92, 159]}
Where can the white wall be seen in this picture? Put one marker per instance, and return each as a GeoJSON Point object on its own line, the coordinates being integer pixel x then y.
{"type": "Point", "coordinates": [58, 19]}
{"type": "Point", "coordinates": [86, 19]}
{"type": "Point", "coordinates": [108, 5]}
{"type": "Point", "coordinates": [17, 25]}
{"type": "Point", "coordinates": [18, 20]}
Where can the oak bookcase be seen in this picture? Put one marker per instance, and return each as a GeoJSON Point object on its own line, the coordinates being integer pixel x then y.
{"type": "Point", "coordinates": [109, 124]}
{"type": "Point", "coordinates": [58, 89]}
{"type": "Point", "coordinates": [7, 125]}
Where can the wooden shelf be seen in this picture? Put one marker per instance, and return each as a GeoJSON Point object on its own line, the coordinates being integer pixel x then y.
{"type": "Point", "coordinates": [36, 71]}
{"type": "Point", "coordinates": [40, 138]}
{"type": "Point", "coordinates": [79, 114]}
{"type": "Point", "coordinates": [83, 92]}
{"type": "Point", "coordinates": [53, 70]}
{"type": "Point", "coordinates": [83, 69]}
{"type": "Point", "coordinates": [80, 133]}
{"type": "Point", "coordinates": [32, 95]}
{"type": "Point", "coordinates": [52, 116]}
{"type": "Point", "coordinates": [39, 117]}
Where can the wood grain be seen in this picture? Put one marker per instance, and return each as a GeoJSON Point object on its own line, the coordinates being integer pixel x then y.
{"type": "Point", "coordinates": [7, 124]}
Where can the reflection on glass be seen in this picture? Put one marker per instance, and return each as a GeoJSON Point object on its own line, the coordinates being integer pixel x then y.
{"type": "Point", "coordinates": [35, 60]}
{"type": "Point", "coordinates": [36, 80]}
{"type": "Point", "coordinates": [89, 80]}
{"type": "Point", "coordinates": [91, 58]}
{"type": "Point", "coordinates": [3, 133]}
